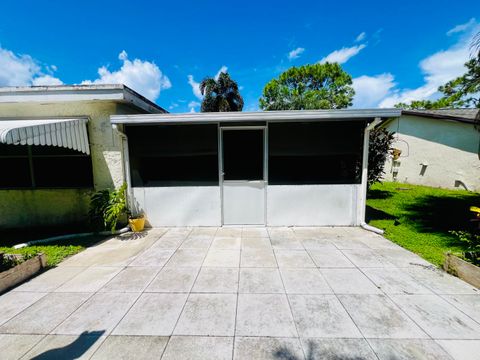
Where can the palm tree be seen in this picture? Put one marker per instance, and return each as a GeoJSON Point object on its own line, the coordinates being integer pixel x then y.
{"type": "Point", "coordinates": [220, 94]}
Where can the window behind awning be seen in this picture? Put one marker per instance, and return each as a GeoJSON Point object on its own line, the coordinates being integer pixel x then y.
{"type": "Point", "coordinates": [68, 133]}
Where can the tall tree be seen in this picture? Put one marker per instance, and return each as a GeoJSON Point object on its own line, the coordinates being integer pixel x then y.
{"type": "Point", "coordinates": [316, 86]}
{"type": "Point", "coordinates": [220, 94]}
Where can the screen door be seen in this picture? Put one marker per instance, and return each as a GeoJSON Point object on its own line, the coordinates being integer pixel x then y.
{"type": "Point", "coordinates": [243, 175]}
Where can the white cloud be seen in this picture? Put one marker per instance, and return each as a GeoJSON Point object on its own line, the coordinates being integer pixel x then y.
{"type": "Point", "coordinates": [23, 70]}
{"type": "Point", "coordinates": [370, 90]}
{"type": "Point", "coordinates": [46, 80]}
{"type": "Point", "coordinates": [193, 104]}
{"type": "Point", "coordinates": [360, 36]}
{"type": "Point", "coordinates": [343, 55]}
{"type": "Point", "coordinates": [295, 53]}
{"type": "Point", "coordinates": [142, 76]}
{"type": "Point", "coordinates": [438, 69]}
{"type": "Point", "coordinates": [223, 69]}
{"type": "Point", "coordinates": [462, 27]}
{"type": "Point", "coordinates": [196, 86]}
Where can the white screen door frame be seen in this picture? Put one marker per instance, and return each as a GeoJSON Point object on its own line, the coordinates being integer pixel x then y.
{"type": "Point", "coordinates": [243, 201]}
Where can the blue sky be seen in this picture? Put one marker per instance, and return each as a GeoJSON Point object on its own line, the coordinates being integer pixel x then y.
{"type": "Point", "coordinates": [163, 49]}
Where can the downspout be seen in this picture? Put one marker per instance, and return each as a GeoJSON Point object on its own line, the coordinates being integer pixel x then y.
{"type": "Point", "coordinates": [126, 167]}
{"type": "Point", "coordinates": [363, 195]}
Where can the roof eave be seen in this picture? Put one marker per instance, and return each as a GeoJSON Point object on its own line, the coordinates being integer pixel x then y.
{"type": "Point", "coordinates": [270, 116]}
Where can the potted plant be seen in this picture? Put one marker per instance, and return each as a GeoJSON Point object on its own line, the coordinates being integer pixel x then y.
{"type": "Point", "coordinates": [136, 222]}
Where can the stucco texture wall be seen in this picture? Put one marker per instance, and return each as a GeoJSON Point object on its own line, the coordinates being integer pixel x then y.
{"type": "Point", "coordinates": [436, 153]}
{"type": "Point", "coordinates": [63, 206]}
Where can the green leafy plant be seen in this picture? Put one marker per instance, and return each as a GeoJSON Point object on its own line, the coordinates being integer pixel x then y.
{"type": "Point", "coordinates": [379, 147]}
{"type": "Point", "coordinates": [472, 242]}
{"type": "Point", "coordinates": [107, 206]}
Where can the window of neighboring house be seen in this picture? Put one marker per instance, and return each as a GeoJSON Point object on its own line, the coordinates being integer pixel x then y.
{"type": "Point", "coordinates": [315, 153]}
{"type": "Point", "coordinates": [31, 167]}
{"type": "Point", "coordinates": [174, 155]}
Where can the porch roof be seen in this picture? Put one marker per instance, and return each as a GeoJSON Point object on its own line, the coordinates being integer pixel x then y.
{"type": "Point", "coordinates": [69, 133]}
{"type": "Point", "coordinates": [258, 116]}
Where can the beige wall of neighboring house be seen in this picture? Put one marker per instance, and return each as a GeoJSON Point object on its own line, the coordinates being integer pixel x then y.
{"type": "Point", "coordinates": [44, 207]}
{"type": "Point", "coordinates": [435, 152]}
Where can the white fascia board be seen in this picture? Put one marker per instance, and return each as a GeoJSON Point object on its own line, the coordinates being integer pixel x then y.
{"type": "Point", "coordinates": [270, 116]}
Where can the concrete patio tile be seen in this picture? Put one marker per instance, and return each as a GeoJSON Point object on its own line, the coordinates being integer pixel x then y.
{"type": "Point", "coordinates": [178, 231]}
{"type": "Point", "coordinates": [43, 316]}
{"type": "Point", "coordinates": [286, 243]}
{"type": "Point", "coordinates": [329, 258]}
{"type": "Point", "coordinates": [349, 281]}
{"type": "Point", "coordinates": [90, 280]}
{"type": "Point", "coordinates": [174, 279]}
{"type": "Point", "coordinates": [395, 281]}
{"type": "Point", "coordinates": [204, 231]}
{"type": "Point", "coordinates": [257, 258]}
{"type": "Point", "coordinates": [199, 347]}
{"type": "Point", "coordinates": [337, 349]}
{"type": "Point", "coordinates": [461, 349]}
{"type": "Point", "coordinates": [222, 258]}
{"type": "Point", "coordinates": [440, 282]}
{"type": "Point", "coordinates": [131, 347]}
{"type": "Point", "coordinates": [408, 349]}
{"type": "Point", "coordinates": [256, 243]}
{"type": "Point", "coordinates": [313, 243]}
{"type": "Point", "coordinates": [152, 257]}
{"type": "Point", "coordinates": [102, 312]}
{"type": "Point", "coordinates": [216, 280]}
{"type": "Point", "coordinates": [345, 243]}
{"type": "Point", "coordinates": [304, 281]}
{"type": "Point", "coordinates": [281, 232]}
{"type": "Point", "coordinates": [377, 242]}
{"type": "Point", "coordinates": [152, 314]}
{"type": "Point", "coordinates": [248, 232]}
{"type": "Point", "coordinates": [260, 281]}
{"type": "Point", "coordinates": [227, 242]}
{"type": "Point", "coordinates": [437, 317]}
{"type": "Point", "coordinates": [208, 314]}
{"type": "Point", "coordinates": [197, 242]}
{"type": "Point", "coordinates": [328, 232]}
{"type": "Point", "coordinates": [66, 346]}
{"type": "Point", "coordinates": [469, 304]}
{"type": "Point", "coordinates": [264, 315]}
{"type": "Point", "coordinates": [293, 259]}
{"type": "Point", "coordinates": [14, 346]}
{"type": "Point", "coordinates": [229, 231]}
{"type": "Point", "coordinates": [267, 348]}
{"type": "Point", "coordinates": [378, 317]}
{"type": "Point", "coordinates": [110, 253]}
{"type": "Point", "coordinates": [131, 279]}
{"type": "Point", "coordinates": [402, 258]}
{"type": "Point", "coordinates": [50, 279]}
{"type": "Point", "coordinates": [322, 316]}
{"type": "Point", "coordinates": [364, 258]}
{"type": "Point", "coordinates": [187, 258]}
{"type": "Point", "coordinates": [168, 243]}
{"type": "Point", "coordinates": [13, 303]}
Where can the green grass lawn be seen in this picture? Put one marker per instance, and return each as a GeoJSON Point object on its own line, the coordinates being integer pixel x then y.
{"type": "Point", "coordinates": [419, 218]}
{"type": "Point", "coordinates": [56, 251]}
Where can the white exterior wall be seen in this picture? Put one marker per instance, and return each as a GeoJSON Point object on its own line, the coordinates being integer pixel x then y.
{"type": "Point", "coordinates": [448, 150]}
{"type": "Point", "coordinates": [312, 205]}
{"type": "Point", "coordinates": [287, 205]}
{"type": "Point", "coordinates": [180, 206]}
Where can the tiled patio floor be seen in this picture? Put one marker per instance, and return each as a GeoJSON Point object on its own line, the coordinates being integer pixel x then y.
{"type": "Point", "coordinates": [251, 293]}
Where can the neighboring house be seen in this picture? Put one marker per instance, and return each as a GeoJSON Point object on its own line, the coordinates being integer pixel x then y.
{"type": "Point", "coordinates": [282, 168]}
{"type": "Point", "coordinates": [439, 148]}
{"type": "Point", "coordinates": [66, 148]}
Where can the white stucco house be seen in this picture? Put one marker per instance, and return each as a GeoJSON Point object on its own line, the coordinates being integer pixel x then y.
{"type": "Point", "coordinates": [439, 148]}
{"type": "Point", "coordinates": [58, 144]}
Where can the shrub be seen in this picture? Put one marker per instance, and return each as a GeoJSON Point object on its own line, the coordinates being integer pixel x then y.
{"type": "Point", "coordinates": [472, 241]}
{"type": "Point", "coordinates": [107, 206]}
{"type": "Point", "coordinates": [378, 150]}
